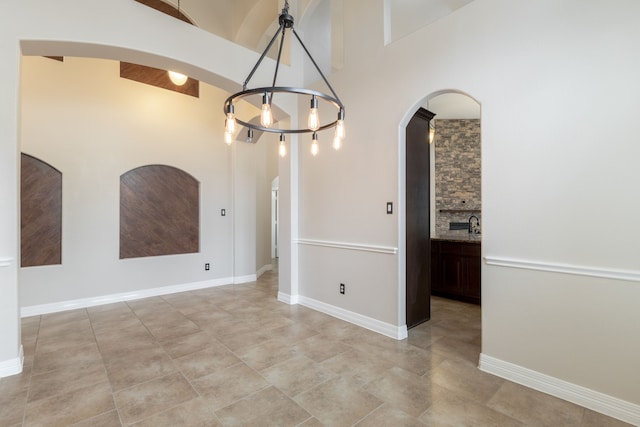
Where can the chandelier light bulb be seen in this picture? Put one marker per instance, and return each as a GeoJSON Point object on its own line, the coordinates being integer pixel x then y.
{"type": "Point", "coordinates": [282, 149]}
{"type": "Point", "coordinates": [337, 142]}
{"type": "Point", "coordinates": [230, 121]}
{"type": "Point", "coordinates": [340, 131]}
{"type": "Point", "coordinates": [266, 118]}
{"type": "Point", "coordinates": [178, 79]}
{"type": "Point", "coordinates": [228, 138]}
{"type": "Point", "coordinates": [313, 122]}
{"type": "Point", "coordinates": [314, 145]}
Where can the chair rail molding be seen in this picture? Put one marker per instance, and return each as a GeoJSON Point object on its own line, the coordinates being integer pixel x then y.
{"type": "Point", "coordinates": [6, 262]}
{"type": "Point", "coordinates": [605, 273]}
{"type": "Point", "coordinates": [349, 246]}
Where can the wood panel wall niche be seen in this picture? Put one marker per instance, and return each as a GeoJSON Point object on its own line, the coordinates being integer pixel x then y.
{"type": "Point", "coordinates": [40, 213]}
{"type": "Point", "coordinates": [159, 212]}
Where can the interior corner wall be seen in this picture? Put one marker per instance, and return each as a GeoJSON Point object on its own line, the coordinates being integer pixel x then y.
{"type": "Point", "coordinates": [9, 217]}
{"type": "Point", "coordinates": [557, 82]}
{"type": "Point", "coordinates": [81, 117]}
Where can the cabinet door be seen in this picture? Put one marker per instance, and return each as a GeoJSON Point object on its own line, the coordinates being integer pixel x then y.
{"type": "Point", "coordinates": [471, 277]}
{"type": "Point", "coordinates": [450, 273]}
{"type": "Point", "coordinates": [456, 272]}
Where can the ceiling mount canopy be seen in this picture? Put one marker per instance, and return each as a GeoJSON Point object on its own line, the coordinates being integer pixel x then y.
{"type": "Point", "coordinates": [314, 123]}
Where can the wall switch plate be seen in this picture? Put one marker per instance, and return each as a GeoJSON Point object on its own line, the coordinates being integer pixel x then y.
{"type": "Point", "coordinates": [207, 266]}
{"type": "Point", "coordinates": [223, 212]}
{"type": "Point", "coordinates": [389, 208]}
{"type": "Point", "coordinates": [342, 288]}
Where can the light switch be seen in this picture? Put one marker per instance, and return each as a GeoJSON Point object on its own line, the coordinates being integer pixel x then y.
{"type": "Point", "coordinates": [223, 212]}
{"type": "Point", "coordinates": [389, 208]}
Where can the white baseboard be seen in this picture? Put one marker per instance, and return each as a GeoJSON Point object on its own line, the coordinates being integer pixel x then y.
{"type": "Point", "coordinates": [263, 269]}
{"type": "Point", "coordinates": [599, 402]}
{"type": "Point", "coordinates": [245, 279]}
{"type": "Point", "coordinates": [287, 299]}
{"type": "Point", "coordinates": [12, 366]}
{"type": "Point", "coordinates": [36, 310]}
{"type": "Point", "coordinates": [387, 329]}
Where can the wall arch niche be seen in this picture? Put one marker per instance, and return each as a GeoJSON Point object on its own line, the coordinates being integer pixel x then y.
{"type": "Point", "coordinates": [159, 212]}
{"type": "Point", "coordinates": [40, 213]}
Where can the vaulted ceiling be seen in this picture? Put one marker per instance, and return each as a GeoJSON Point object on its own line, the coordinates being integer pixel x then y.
{"type": "Point", "coordinates": [251, 23]}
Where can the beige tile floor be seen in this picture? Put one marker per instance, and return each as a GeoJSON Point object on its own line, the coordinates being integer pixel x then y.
{"type": "Point", "coordinates": [233, 355]}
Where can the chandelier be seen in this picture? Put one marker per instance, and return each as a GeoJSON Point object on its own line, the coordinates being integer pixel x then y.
{"type": "Point", "coordinates": [267, 122]}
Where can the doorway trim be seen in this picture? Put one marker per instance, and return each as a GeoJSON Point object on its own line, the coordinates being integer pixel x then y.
{"type": "Point", "coordinates": [275, 216]}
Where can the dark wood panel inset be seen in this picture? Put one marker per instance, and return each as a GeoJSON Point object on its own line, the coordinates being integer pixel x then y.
{"type": "Point", "coordinates": [158, 77]}
{"type": "Point", "coordinates": [159, 212]}
{"type": "Point", "coordinates": [40, 213]}
{"type": "Point", "coordinates": [163, 7]}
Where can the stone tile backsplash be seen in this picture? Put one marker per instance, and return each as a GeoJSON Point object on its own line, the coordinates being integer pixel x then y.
{"type": "Point", "coordinates": [457, 172]}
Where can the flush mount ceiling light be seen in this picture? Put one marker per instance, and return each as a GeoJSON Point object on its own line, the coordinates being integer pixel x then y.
{"type": "Point", "coordinates": [314, 123]}
{"type": "Point", "coordinates": [178, 79]}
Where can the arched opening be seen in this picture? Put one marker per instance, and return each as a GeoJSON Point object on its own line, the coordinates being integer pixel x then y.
{"type": "Point", "coordinates": [453, 203]}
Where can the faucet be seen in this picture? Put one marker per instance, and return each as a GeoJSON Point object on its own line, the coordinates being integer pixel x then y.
{"type": "Point", "coordinates": [474, 225]}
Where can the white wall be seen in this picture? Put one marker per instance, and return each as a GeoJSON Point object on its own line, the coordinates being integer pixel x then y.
{"type": "Point", "coordinates": [558, 85]}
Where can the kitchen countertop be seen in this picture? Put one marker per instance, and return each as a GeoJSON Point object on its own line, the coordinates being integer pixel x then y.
{"type": "Point", "coordinates": [459, 237]}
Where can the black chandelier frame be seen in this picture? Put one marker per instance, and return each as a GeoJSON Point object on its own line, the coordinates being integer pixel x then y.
{"type": "Point", "coordinates": [286, 22]}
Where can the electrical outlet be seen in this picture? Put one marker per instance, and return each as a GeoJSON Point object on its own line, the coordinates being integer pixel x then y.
{"type": "Point", "coordinates": [207, 267]}
{"type": "Point", "coordinates": [342, 288]}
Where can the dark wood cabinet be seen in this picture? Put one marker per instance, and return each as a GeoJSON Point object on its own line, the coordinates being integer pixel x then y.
{"type": "Point", "coordinates": [455, 270]}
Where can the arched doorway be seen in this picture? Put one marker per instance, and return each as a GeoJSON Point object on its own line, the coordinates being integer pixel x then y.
{"type": "Point", "coordinates": [442, 193]}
